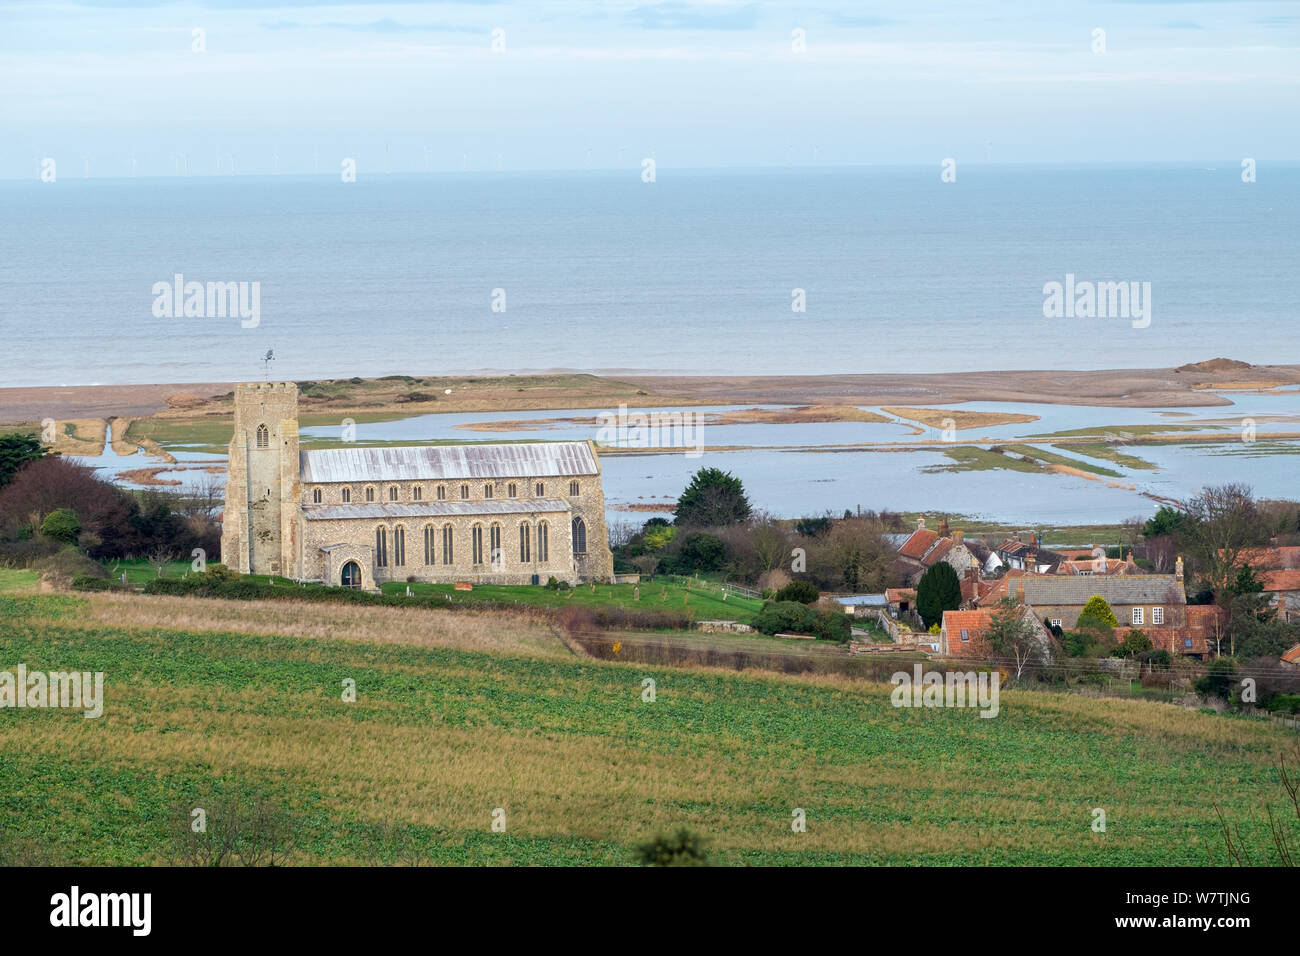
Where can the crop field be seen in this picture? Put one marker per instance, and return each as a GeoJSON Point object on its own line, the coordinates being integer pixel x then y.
{"type": "Point", "coordinates": [455, 719]}
{"type": "Point", "coordinates": [661, 594]}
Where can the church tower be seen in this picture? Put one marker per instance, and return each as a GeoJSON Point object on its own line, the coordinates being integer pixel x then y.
{"type": "Point", "coordinates": [261, 527]}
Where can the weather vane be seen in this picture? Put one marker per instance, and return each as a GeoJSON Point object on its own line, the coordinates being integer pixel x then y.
{"type": "Point", "coordinates": [266, 364]}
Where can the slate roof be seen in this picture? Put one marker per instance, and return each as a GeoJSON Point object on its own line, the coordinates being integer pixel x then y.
{"type": "Point", "coordinates": [436, 509]}
{"type": "Point", "coordinates": [1042, 589]}
{"type": "Point", "coordinates": [448, 462]}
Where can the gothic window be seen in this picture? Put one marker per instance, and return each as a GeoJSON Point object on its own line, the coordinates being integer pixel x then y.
{"type": "Point", "coordinates": [315, 496]}
{"type": "Point", "coordinates": [579, 536]}
{"type": "Point", "coordinates": [464, 492]}
{"type": "Point", "coordinates": [442, 492]}
{"type": "Point", "coordinates": [429, 544]}
{"type": "Point", "coordinates": [512, 489]}
{"type": "Point", "coordinates": [448, 555]}
{"type": "Point", "coordinates": [573, 489]}
{"type": "Point", "coordinates": [476, 544]}
{"type": "Point", "coordinates": [487, 491]}
{"type": "Point", "coordinates": [543, 542]}
{"type": "Point", "coordinates": [417, 493]}
{"type": "Point", "coordinates": [541, 490]}
{"type": "Point", "coordinates": [494, 545]}
{"type": "Point", "coordinates": [392, 493]}
{"type": "Point", "coordinates": [347, 495]}
{"type": "Point", "coordinates": [381, 548]}
{"type": "Point", "coordinates": [525, 543]}
{"type": "Point", "coordinates": [399, 547]}
{"type": "Point", "coordinates": [263, 437]}
{"type": "Point", "coordinates": [370, 493]}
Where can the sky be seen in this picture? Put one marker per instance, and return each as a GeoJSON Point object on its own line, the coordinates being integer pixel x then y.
{"type": "Point", "coordinates": [108, 87]}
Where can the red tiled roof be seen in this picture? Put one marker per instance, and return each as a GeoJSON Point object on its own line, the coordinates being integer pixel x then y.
{"type": "Point", "coordinates": [1292, 656]}
{"type": "Point", "coordinates": [1281, 580]}
{"type": "Point", "coordinates": [918, 543]}
{"type": "Point", "coordinates": [935, 554]}
{"type": "Point", "coordinates": [896, 595]}
{"type": "Point", "coordinates": [1286, 557]}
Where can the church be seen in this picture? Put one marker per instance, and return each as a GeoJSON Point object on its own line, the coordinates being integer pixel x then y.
{"type": "Point", "coordinates": [358, 517]}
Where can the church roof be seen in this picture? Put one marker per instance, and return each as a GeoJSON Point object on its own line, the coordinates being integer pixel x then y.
{"type": "Point", "coordinates": [448, 462]}
{"type": "Point", "coordinates": [437, 509]}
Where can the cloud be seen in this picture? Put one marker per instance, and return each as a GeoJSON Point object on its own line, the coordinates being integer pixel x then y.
{"type": "Point", "coordinates": [682, 16]}
{"type": "Point", "coordinates": [852, 20]}
{"type": "Point", "coordinates": [386, 25]}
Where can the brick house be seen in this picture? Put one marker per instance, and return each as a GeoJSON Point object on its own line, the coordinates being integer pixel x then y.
{"type": "Point", "coordinates": [1138, 600]}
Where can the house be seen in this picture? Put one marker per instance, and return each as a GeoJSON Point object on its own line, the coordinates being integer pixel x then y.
{"type": "Point", "coordinates": [1138, 600]}
{"type": "Point", "coordinates": [1089, 563]}
{"type": "Point", "coordinates": [1029, 555]}
{"type": "Point", "coordinates": [965, 633]}
{"type": "Point", "coordinates": [1284, 586]}
{"type": "Point", "coordinates": [1198, 638]}
{"type": "Point", "coordinates": [862, 605]}
{"type": "Point", "coordinates": [900, 600]}
{"type": "Point", "coordinates": [925, 548]}
{"type": "Point", "coordinates": [1292, 657]}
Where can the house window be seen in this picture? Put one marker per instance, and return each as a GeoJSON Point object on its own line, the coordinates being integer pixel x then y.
{"type": "Point", "coordinates": [417, 493]}
{"type": "Point", "coordinates": [263, 437]}
{"type": "Point", "coordinates": [381, 548]}
{"type": "Point", "coordinates": [512, 489]}
{"type": "Point", "coordinates": [525, 543]}
{"type": "Point", "coordinates": [1056, 622]}
{"type": "Point", "coordinates": [442, 492]}
{"type": "Point", "coordinates": [1157, 615]}
{"type": "Point", "coordinates": [428, 544]}
{"type": "Point", "coordinates": [1137, 615]}
{"type": "Point", "coordinates": [494, 547]}
{"type": "Point", "coordinates": [573, 489]}
{"type": "Point", "coordinates": [399, 547]}
{"type": "Point", "coordinates": [476, 544]}
{"type": "Point", "coordinates": [579, 536]}
{"type": "Point", "coordinates": [487, 491]}
{"type": "Point", "coordinates": [370, 493]}
{"type": "Point", "coordinates": [347, 495]}
{"type": "Point", "coordinates": [448, 553]}
{"type": "Point", "coordinates": [543, 534]}
{"type": "Point", "coordinates": [464, 492]}
{"type": "Point", "coordinates": [965, 634]}
{"type": "Point", "coordinates": [315, 496]}
{"type": "Point", "coordinates": [392, 493]}
{"type": "Point", "coordinates": [540, 489]}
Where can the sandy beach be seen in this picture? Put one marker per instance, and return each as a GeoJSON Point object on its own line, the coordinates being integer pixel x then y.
{"type": "Point", "coordinates": [1187, 386]}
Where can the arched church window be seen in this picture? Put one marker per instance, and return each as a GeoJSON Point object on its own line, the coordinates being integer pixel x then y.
{"type": "Point", "coordinates": [579, 536]}
{"type": "Point", "coordinates": [263, 437]}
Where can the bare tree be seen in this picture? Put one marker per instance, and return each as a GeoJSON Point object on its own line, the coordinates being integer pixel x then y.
{"type": "Point", "coordinates": [235, 828]}
{"type": "Point", "coordinates": [1222, 522]}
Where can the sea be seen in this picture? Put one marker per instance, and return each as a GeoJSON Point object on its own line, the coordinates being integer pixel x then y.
{"type": "Point", "coordinates": [786, 271]}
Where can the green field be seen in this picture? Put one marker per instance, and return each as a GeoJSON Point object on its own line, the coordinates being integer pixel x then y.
{"type": "Point", "coordinates": [583, 768]}
{"type": "Point", "coordinates": [139, 572]}
{"type": "Point", "coordinates": [661, 594]}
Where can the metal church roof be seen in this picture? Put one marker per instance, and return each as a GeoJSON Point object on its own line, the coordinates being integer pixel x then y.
{"type": "Point", "coordinates": [437, 509]}
{"type": "Point", "coordinates": [450, 462]}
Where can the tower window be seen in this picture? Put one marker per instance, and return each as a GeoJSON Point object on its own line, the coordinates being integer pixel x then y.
{"type": "Point", "coordinates": [573, 489]}
{"type": "Point", "coordinates": [263, 437]}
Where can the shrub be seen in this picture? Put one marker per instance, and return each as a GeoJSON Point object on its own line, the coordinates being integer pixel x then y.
{"type": "Point", "coordinates": [792, 617]}
{"type": "Point", "coordinates": [801, 591]}
{"type": "Point", "coordinates": [1134, 643]}
{"type": "Point", "coordinates": [1220, 679]}
{"type": "Point", "coordinates": [62, 524]}
{"type": "Point", "coordinates": [1098, 608]}
{"type": "Point", "coordinates": [69, 564]}
{"type": "Point", "coordinates": [683, 848]}
{"type": "Point", "coordinates": [1285, 704]}
{"type": "Point", "coordinates": [85, 582]}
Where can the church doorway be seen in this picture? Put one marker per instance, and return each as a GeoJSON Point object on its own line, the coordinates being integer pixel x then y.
{"type": "Point", "coordinates": [351, 575]}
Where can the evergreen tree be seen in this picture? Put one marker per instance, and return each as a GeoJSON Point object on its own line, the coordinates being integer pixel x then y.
{"type": "Point", "coordinates": [938, 591]}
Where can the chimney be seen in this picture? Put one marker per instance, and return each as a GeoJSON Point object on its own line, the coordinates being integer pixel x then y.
{"type": "Point", "coordinates": [1178, 569]}
{"type": "Point", "coordinates": [1016, 536]}
{"type": "Point", "coordinates": [1031, 562]}
{"type": "Point", "coordinates": [1272, 542]}
{"type": "Point", "coordinates": [920, 523]}
{"type": "Point", "coordinates": [1020, 592]}
{"type": "Point", "coordinates": [957, 535]}
{"type": "Point", "coordinates": [943, 527]}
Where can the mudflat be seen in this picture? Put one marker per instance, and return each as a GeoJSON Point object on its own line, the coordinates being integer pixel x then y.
{"type": "Point", "coordinates": [1186, 386]}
